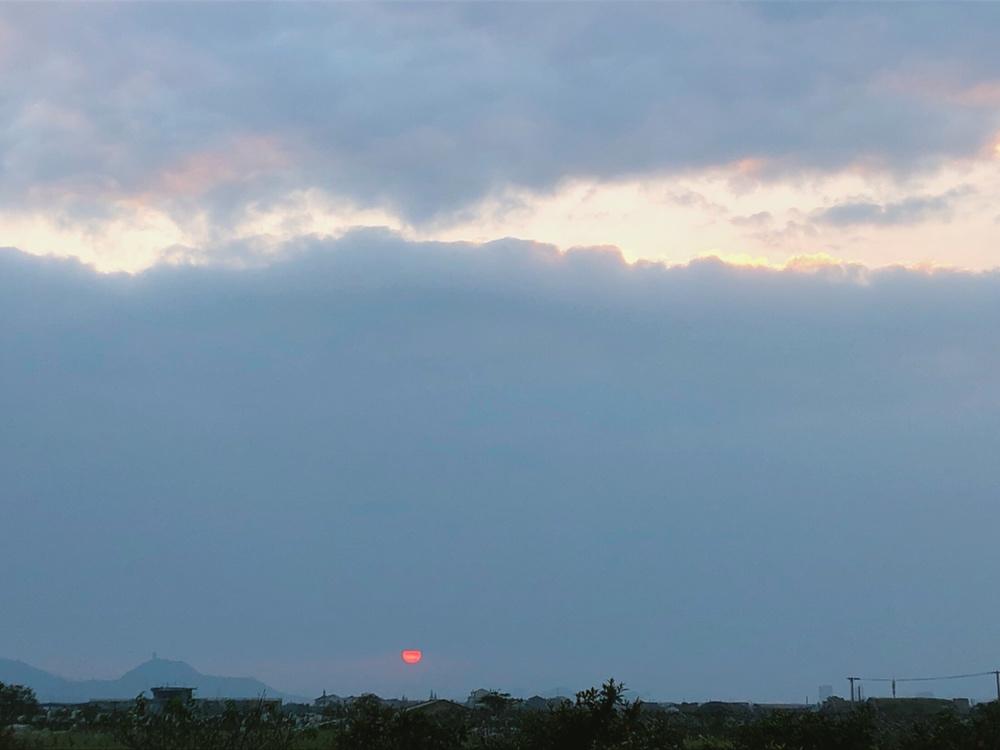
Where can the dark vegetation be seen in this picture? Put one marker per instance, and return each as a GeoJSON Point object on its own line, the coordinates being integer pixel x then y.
{"type": "Point", "coordinates": [178, 727]}
{"type": "Point", "coordinates": [17, 706]}
{"type": "Point", "coordinates": [599, 719]}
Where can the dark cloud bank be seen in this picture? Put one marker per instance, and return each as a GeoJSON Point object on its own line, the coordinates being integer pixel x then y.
{"type": "Point", "coordinates": [542, 469]}
{"type": "Point", "coordinates": [426, 110]}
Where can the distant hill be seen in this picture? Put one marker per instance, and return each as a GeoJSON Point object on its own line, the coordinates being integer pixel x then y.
{"type": "Point", "coordinates": [51, 688]}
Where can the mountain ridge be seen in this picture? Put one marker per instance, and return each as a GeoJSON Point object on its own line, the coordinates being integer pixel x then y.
{"type": "Point", "coordinates": [51, 688]}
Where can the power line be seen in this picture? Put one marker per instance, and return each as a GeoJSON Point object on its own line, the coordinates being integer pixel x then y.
{"type": "Point", "coordinates": [927, 679]}
{"type": "Point", "coordinates": [990, 673]}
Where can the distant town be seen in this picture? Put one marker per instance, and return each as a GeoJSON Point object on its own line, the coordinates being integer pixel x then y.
{"type": "Point", "coordinates": [210, 712]}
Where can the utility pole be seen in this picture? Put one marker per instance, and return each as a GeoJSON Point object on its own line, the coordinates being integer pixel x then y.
{"type": "Point", "coordinates": [893, 687]}
{"type": "Point", "coordinates": [851, 680]}
{"type": "Point", "coordinates": [996, 673]}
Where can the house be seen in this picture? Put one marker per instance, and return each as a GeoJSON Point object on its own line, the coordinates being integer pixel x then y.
{"type": "Point", "coordinates": [476, 696]}
{"type": "Point", "coordinates": [327, 701]}
{"type": "Point", "coordinates": [163, 696]}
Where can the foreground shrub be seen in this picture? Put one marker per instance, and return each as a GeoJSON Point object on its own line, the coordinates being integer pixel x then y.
{"type": "Point", "coordinates": [178, 727]}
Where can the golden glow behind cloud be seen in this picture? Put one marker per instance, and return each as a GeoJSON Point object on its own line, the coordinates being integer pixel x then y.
{"type": "Point", "coordinates": [729, 212]}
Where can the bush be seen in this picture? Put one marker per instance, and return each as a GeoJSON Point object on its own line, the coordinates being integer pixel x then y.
{"type": "Point", "coordinates": [178, 727]}
{"type": "Point", "coordinates": [370, 725]}
{"type": "Point", "coordinates": [856, 730]}
{"type": "Point", "coordinates": [17, 704]}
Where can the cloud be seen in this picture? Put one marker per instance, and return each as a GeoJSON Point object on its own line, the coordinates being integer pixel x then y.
{"type": "Point", "coordinates": [912, 210]}
{"type": "Point", "coordinates": [759, 219]}
{"type": "Point", "coordinates": [426, 111]}
{"type": "Point", "coordinates": [453, 445]}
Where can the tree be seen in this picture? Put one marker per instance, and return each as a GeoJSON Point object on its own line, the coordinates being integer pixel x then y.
{"type": "Point", "coordinates": [17, 704]}
{"type": "Point", "coordinates": [601, 719]}
{"type": "Point", "coordinates": [495, 701]}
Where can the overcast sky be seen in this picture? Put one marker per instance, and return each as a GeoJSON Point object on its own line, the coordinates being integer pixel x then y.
{"type": "Point", "coordinates": [561, 341]}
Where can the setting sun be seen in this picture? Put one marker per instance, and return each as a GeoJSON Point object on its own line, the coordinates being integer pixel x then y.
{"type": "Point", "coordinates": [412, 656]}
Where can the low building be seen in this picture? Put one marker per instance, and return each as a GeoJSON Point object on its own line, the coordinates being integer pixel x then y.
{"type": "Point", "coordinates": [476, 696]}
{"type": "Point", "coordinates": [167, 694]}
{"type": "Point", "coordinates": [164, 696]}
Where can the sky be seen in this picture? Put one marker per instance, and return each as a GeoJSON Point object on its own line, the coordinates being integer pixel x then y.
{"type": "Point", "coordinates": [655, 341]}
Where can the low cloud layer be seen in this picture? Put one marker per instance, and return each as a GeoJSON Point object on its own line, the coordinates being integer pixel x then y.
{"type": "Point", "coordinates": [541, 468]}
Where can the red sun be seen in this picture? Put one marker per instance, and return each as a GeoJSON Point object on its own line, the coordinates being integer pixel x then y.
{"type": "Point", "coordinates": [412, 655]}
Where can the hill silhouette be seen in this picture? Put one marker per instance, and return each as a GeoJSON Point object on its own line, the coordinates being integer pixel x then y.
{"type": "Point", "coordinates": [52, 688]}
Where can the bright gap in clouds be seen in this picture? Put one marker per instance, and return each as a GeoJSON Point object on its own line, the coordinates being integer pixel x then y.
{"type": "Point", "coordinates": [735, 212]}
